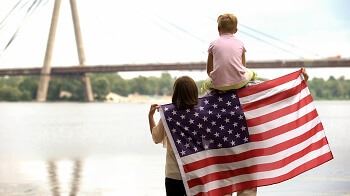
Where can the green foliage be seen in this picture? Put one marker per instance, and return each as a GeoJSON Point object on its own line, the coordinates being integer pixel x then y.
{"type": "Point", "coordinates": [71, 88]}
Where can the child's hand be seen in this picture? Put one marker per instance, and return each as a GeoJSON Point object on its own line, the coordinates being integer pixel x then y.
{"type": "Point", "coordinates": [303, 71]}
{"type": "Point", "coordinates": [153, 109]}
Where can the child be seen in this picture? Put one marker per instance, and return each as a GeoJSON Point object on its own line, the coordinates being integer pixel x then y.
{"type": "Point", "coordinates": [185, 96]}
{"type": "Point", "coordinates": [226, 58]}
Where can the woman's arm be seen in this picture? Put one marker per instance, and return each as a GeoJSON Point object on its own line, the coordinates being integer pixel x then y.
{"type": "Point", "coordinates": [243, 58]}
{"type": "Point", "coordinates": [151, 112]}
{"type": "Point", "coordinates": [209, 64]}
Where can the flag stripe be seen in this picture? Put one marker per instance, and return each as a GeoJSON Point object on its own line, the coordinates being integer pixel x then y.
{"type": "Point", "coordinates": [279, 113]}
{"type": "Point", "coordinates": [274, 98]}
{"type": "Point", "coordinates": [276, 106]}
{"type": "Point", "coordinates": [268, 84]}
{"type": "Point", "coordinates": [283, 121]}
{"type": "Point", "coordinates": [262, 175]}
{"type": "Point", "coordinates": [268, 181]}
{"type": "Point", "coordinates": [257, 167]}
{"type": "Point", "coordinates": [283, 128]}
{"type": "Point", "coordinates": [252, 153]}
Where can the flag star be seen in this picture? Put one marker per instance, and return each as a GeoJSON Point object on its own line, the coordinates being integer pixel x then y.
{"type": "Point", "coordinates": [206, 102]}
{"type": "Point", "coordinates": [233, 143]}
{"type": "Point", "coordinates": [178, 123]}
{"type": "Point", "coordinates": [188, 110]}
{"type": "Point", "coordinates": [186, 128]}
{"type": "Point", "coordinates": [199, 125]}
{"type": "Point", "coordinates": [195, 149]}
{"type": "Point", "coordinates": [235, 124]}
{"type": "Point", "coordinates": [208, 130]}
{"type": "Point", "coordinates": [203, 136]}
{"type": "Point", "coordinates": [240, 117]}
{"type": "Point", "coordinates": [187, 145]}
{"type": "Point", "coordinates": [236, 107]}
{"type": "Point", "coordinates": [238, 135]}
{"type": "Point", "coordinates": [206, 146]}
{"type": "Point", "coordinates": [211, 141]}
{"type": "Point", "coordinates": [232, 113]}
{"type": "Point", "coordinates": [213, 123]}
{"type": "Point", "coordinates": [166, 109]}
{"type": "Point", "coordinates": [182, 116]}
{"type": "Point", "coordinates": [218, 115]}
{"type": "Point", "coordinates": [174, 112]}
{"type": "Point", "coordinates": [225, 139]}
{"type": "Point", "coordinates": [178, 141]}
{"type": "Point", "coordinates": [220, 99]}
{"type": "Point", "coordinates": [182, 134]}
{"type": "Point", "coordinates": [243, 128]}
{"type": "Point", "coordinates": [169, 119]}
{"type": "Point", "coordinates": [194, 132]}
{"type": "Point", "coordinates": [183, 152]}
{"type": "Point", "coordinates": [222, 127]}
{"type": "Point", "coordinates": [199, 143]}
{"type": "Point", "coordinates": [173, 130]}
{"type": "Point", "coordinates": [189, 139]}
{"type": "Point", "coordinates": [245, 139]}
{"type": "Point", "coordinates": [223, 110]}
{"type": "Point", "coordinates": [201, 108]}
{"type": "Point", "coordinates": [191, 121]}
{"type": "Point", "coordinates": [205, 118]}
{"type": "Point", "coordinates": [217, 134]}
{"type": "Point", "coordinates": [219, 145]}
{"type": "Point", "coordinates": [233, 96]}
{"type": "Point", "coordinates": [227, 120]}
{"type": "Point", "coordinates": [210, 112]}
{"type": "Point", "coordinates": [230, 131]}
{"type": "Point", "coordinates": [228, 103]}
{"type": "Point", "coordinates": [215, 106]}
{"type": "Point", "coordinates": [196, 114]}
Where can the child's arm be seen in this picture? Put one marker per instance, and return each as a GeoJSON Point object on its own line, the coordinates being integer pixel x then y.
{"type": "Point", "coordinates": [243, 58]}
{"type": "Point", "coordinates": [209, 64]}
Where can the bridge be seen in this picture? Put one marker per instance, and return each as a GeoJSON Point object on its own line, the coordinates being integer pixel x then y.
{"type": "Point", "coordinates": [45, 71]}
{"type": "Point", "coordinates": [78, 70]}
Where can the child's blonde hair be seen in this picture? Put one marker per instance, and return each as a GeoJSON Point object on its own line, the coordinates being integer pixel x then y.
{"type": "Point", "coordinates": [227, 23]}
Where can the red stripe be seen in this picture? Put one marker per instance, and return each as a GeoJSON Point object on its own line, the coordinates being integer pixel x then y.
{"type": "Point", "coordinates": [274, 98]}
{"type": "Point", "coordinates": [279, 113]}
{"type": "Point", "coordinates": [252, 153]}
{"type": "Point", "coordinates": [284, 128]}
{"type": "Point", "coordinates": [249, 90]}
{"type": "Point", "coordinates": [268, 181]}
{"type": "Point", "coordinates": [257, 168]}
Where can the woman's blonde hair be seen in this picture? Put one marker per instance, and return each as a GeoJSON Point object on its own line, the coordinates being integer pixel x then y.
{"type": "Point", "coordinates": [227, 23]}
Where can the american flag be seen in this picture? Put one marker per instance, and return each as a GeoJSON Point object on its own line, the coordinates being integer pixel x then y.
{"type": "Point", "coordinates": [255, 136]}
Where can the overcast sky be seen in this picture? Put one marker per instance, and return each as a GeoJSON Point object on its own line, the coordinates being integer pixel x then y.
{"type": "Point", "coordinates": [155, 31]}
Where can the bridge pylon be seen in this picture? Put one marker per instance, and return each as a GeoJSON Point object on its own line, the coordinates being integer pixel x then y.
{"type": "Point", "coordinates": [46, 69]}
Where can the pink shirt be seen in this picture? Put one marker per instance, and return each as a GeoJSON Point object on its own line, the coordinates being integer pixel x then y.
{"type": "Point", "coordinates": [227, 61]}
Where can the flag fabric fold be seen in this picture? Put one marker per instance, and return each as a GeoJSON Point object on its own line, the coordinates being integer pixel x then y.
{"type": "Point", "coordinates": [255, 136]}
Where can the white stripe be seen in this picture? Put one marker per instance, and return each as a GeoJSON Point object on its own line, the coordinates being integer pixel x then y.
{"type": "Point", "coordinates": [270, 92]}
{"type": "Point", "coordinates": [282, 120]}
{"type": "Point", "coordinates": [260, 175]}
{"type": "Point", "coordinates": [276, 106]}
{"type": "Point", "coordinates": [252, 145]}
{"type": "Point", "coordinates": [256, 160]}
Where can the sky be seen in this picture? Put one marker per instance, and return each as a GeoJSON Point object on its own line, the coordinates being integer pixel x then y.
{"type": "Point", "coordinates": [164, 31]}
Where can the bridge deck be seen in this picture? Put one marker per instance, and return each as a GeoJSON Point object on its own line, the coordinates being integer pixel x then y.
{"type": "Point", "coordinates": [171, 66]}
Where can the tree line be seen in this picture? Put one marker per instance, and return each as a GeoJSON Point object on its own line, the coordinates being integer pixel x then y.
{"type": "Point", "coordinates": [24, 88]}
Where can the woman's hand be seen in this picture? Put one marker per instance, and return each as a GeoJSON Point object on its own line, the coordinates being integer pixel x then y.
{"type": "Point", "coordinates": [303, 71]}
{"type": "Point", "coordinates": [153, 109]}
{"type": "Point", "coordinates": [151, 112]}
